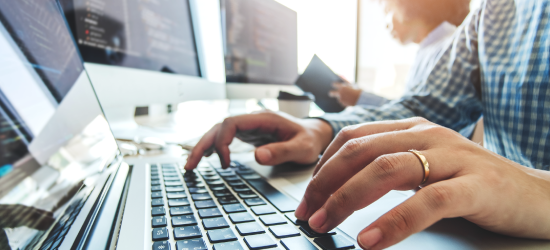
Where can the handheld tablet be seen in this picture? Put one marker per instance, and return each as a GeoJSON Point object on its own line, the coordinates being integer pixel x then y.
{"type": "Point", "coordinates": [318, 79]}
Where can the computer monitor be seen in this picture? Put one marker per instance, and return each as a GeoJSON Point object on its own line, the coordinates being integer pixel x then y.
{"type": "Point", "coordinates": [53, 135]}
{"type": "Point", "coordinates": [140, 53]}
{"type": "Point", "coordinates": [260, 40]}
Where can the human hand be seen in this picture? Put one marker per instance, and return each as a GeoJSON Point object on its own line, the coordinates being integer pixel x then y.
{"type": "Point", "coordinates": [346, 93]}
{"type": "Point", "coordinates": [366, 161]}
{"type": "Point", "coordinates": [292, 140]}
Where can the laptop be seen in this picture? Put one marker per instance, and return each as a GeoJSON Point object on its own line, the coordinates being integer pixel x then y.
{"type": "Point", "coordinates": [65, 185]}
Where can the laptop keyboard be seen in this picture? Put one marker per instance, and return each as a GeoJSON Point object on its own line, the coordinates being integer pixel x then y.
{"type": "Point", "coordinates": [231, 209]}
{"type": "Point", "coordinates": [61, 227]}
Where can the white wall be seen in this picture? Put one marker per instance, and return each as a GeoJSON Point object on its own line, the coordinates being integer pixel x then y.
{"type": "Point", "coordinates": [327, 28]}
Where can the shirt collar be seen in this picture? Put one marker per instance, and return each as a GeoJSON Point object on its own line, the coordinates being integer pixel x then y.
{"type": "Point", "coordinates": [442, 31]}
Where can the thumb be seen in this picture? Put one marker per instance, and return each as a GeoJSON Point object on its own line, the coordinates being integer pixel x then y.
{"type": "Point", "coordinates": [281, 152]}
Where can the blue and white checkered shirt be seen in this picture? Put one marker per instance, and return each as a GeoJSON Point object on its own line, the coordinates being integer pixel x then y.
{"type": "Point", "coordinates": [498, 65]}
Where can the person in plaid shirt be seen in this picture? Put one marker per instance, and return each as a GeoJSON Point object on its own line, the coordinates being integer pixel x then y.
{"type": "Point", "coordinates": [498, 66]}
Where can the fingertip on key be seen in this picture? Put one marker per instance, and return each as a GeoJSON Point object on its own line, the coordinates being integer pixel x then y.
{"type": "Point", "coordinates": [318, 219]}
{"type": "Point", "coordinates": [301, 211]}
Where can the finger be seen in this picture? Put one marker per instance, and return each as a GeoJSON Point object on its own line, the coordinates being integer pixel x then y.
{"type": "Point", "coordinates": [337, 85]}
{"type": "Point", "coordinates": [353, 132]}
{"type": "Point", "coordinates": [202, 147]}
{"type": "Point", "coordinates": [399, 171]}
{"type": "Point", "coordinates": [446, 199]}
{"type": "Point", "coordinates": [265, 123]}
{"type": "Point", "coordinates": [288, 151]}
{"type": "Point", "coordinates": [355, 155]}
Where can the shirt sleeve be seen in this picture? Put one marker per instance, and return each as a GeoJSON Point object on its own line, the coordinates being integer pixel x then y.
{"type": "Point", "coordinates": [370, 99]}
{"type": "Point", "coordinates": [450, 95]}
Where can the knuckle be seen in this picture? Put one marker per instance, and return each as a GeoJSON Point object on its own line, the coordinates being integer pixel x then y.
{"type": "Point", "coordinates": [386, 166]}
{"type": "Point", "coordinates": [346, 133]}
{"type": "Point", "coordinates": [440, 196]}
{"type": "Point", "coordinates": [227, 121]}
{"type": "Point", "coordinates": [314, 186]}
{"type": "Point", "coordinates": [353, 148]}
{"type": "Point", "coordinates": [419, 120]}
{"type": "Point", "coordinates": [400, 219]}
{"type": "Point", "coordinates": [342, 199]}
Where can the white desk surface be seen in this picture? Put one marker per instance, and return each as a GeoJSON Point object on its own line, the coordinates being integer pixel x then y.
{"type": "Point", "coordinates": [190, 122]}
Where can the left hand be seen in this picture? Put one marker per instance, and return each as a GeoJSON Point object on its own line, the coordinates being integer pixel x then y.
{"type": "Point", "coordinates": [366, 161]}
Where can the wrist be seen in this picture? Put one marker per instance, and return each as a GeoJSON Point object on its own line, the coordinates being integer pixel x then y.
{"type": "Point", "coordinates": [321, 129]}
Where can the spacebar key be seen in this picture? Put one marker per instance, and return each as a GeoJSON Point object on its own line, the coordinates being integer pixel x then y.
{"type": "Point", "coordinates": [282, 202]}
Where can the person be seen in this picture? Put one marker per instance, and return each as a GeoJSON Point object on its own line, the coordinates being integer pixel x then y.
{"type": "Point", "coordinates": [428, 23]}
{"type": "Point", "coordinates": [497, 65]}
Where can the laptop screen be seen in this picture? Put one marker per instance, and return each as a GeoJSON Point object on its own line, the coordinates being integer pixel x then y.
{"type": "Point", "coordinates": [53, 135]}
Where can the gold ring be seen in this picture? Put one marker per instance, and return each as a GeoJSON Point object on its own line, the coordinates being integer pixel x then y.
{"type": "Point", "coordinates": [424, 163]}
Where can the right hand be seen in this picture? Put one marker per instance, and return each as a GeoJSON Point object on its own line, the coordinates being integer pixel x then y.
{"type": "Point", "coordinates": [346, 93]}
{"type": "Point", "coordinates": [296, 140]}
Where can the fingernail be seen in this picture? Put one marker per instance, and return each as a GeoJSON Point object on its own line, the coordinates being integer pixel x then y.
{"type": "Point", "coordinates": [300, 212]}
{"type": "Point", "coordinates": [370, 238]}
{"type": "Point", "coordinates": [264, 155]}
{"type": "Point", "coordinates": [318, 219]}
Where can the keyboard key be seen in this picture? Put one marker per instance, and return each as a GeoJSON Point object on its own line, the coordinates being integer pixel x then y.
{"type": "Point", "coordinates": [158, 221]}
{"type": "Point", "coordinates": [312, 234]}
{"type": "Point", "coordinates": [184, 220]}
{"type": "Point", "coordinates": [154, 183]}
{"type": "Point", "coordinates": [218, 187]}
{"type": "Point", "coordinates": [234, 208]}
{"type": "Point", "coordinates": [195, 190]}
{"type": "Point", "coordinates": [284, 231]}
{"type": "Point", "coordinates": [170, 174]}
{"type": "Point", "coordinates": [209, 213]}
{"type": "Point", "coordinates": [158, 211]}
{"type": "Point", "coordinates": [195, 244]}
{"type": "Point", "coordinates": [221, 235]}
{"type": "Point", "coordinates": [259, 241]}
{"type": "Point", "coordinates": [274, 219]}
{"type": "Point", "coordinates": [241, 217]}
{"type": "Point", "coordinates": [215, 183]}
{"type": "Point", "coordinates": [228, 200]}
{"type": "Point", "coordinates": [189, 232]}
{"type": "Point", "coordinates": [205, 204]}
{"type": "Point", "coordinates": [241, 188]}
{"type": "Point", "coordinates": [249, 228]}
{"type": "Point", "coordinates": [234, 245]}
{"type": "Point", "coordinates": [254, 202]}
{"type": "Point", "coordinates": [282, 202]}
{"type": "Point", "coordinates": [232, 178]}
{"type": "Point", "coordinates": [251, 176]}
{"type": "Point", "coordinates": [178, 202]}
{"type": "Point", "coordinates": [160, 234]}
{"type": "Point", "coordinates": [294, 220]}
{"type": "Point", "coordinates": [176, 195]}
{"type": "Point", "coordinates": [245, 172]}
{"type": "Point", "coordinates": [155, 178]}
{"type": "Point", "coordinates": [226, 173]}
{"type": "Point", "coordinates": [201, 197]}
{"type": "Point", "coordinates": [161, 245]}
{"type": "Point", "coordinates": [261, 210]}
{"type": "Point", "coordinates": [215, 223]}
{"type": "Point", "coordinates": [172, 179]}
{"type": "Point", "coordinates": [191, 179]}
{"type": "Point", "coordinates": [298, 243]}
{"type": "Point", "coordinates": [335, 242]}
{"type": "Point", "coordinates": [248, 195]}
{"type": "Point", "coordinates": [156, 188]}
{"type": "Point", "coordinates": [183, 210]}
{"type": "Point", "coordinates": [195, 184]}
{"type": "Point", "coordinates": [156, 195]}
{"type": "Point", "coordinates": [223, 193]}
{"type": "Point", "coordinates": [157, 202]}
{"type": "Point", "coordinates": [175, 189]}
{"type": "Point", "coordinates": [172, 183]}
{"type": "Point", "coordinates": [211, 177]}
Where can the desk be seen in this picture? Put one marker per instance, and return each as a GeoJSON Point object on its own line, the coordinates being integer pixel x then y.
{"type": "Point", "coordinates": [291, 179]}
